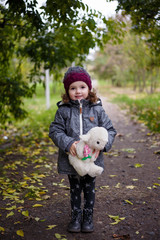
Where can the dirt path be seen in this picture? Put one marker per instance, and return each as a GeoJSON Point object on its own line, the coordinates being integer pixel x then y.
{"type": "Point", "coordinates": [129, 188]}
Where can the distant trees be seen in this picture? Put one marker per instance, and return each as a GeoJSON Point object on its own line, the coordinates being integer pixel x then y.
{"type": "Point", "coordinates": [137, 59]}
{"type": "Point", "coordinates": [145, 17]}
{"type": "Point", "coordinates": [132, 61]}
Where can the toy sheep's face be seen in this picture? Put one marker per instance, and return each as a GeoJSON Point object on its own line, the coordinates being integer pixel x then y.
{"type": "Point", "coordinates": [97, 143]}
{"type": "Point", "coordinates": [96, 138]}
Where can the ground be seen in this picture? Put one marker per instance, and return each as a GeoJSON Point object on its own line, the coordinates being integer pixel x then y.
{"type": "Point", "coordinates": [127, 193]}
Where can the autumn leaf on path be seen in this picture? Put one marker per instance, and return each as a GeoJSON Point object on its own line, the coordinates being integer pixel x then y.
{"type": "Point", "coordinates": [129, 150]}
{"type": "Point", "coordinates": [37, 205]}
{"type": "Point", "coordinates": [10, 214]}
{"type": "Point", "coordinates": [25, 213]}
{"type": "Point", "coordinates": [117, 219]}
{"type": "Point", "coordinates": [137, 165]}
{"type": "Point", "coordinates": [130, 187]}
{"type": "Point", "coordinates": [127, 201]}
{"type": "Point", "coordinates": [59, 236]}
{"type": "Point", "coordinates": [20, 233]}
{"type": "Point", "coordinates": [49, 227]}
{"type": "Point", "coordinates": [121, 237]}
{"type": "Point", "coordinates": [2, 229]}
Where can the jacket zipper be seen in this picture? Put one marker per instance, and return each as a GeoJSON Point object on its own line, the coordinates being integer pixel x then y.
{"type": "Point", "coordinates": [80, 116]}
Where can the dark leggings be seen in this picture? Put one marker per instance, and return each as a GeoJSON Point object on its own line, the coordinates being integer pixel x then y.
{"type": "Point", "coordinates": [77, 184]}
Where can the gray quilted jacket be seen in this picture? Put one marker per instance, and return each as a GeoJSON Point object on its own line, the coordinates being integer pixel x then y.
{"type": "Point", "coordinates": [71, 120]}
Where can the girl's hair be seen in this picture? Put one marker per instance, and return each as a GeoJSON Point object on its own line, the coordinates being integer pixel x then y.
{"type": "Point", "coordinates": [92, 97]}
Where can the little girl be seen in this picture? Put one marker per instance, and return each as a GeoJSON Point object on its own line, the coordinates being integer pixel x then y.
{"type": "Point", "coordinates": [78, 112]}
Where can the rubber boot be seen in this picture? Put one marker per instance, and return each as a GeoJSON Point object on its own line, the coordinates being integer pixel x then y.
{"type": "Point", "coordinates": [75, 224]}
{"type": "Point", "coordinates": [87, 225]}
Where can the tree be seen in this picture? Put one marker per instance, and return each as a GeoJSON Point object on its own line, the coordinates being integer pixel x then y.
{"type": "Point", "coordinates": [128, 62]}
{"type": "Point", "coordinates": [62, 33]}
{"type": "Point", "coordinates": [145, 16]}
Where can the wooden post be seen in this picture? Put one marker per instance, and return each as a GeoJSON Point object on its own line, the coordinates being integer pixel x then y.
{"type": "Point", "coordinates": [47, 89]}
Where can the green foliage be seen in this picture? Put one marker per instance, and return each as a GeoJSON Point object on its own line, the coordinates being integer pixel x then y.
{"type": "Point", "coordinates": [145, 19]}
{"type": "Point", "coordinates": [62, 33]}
{"type": "Point", "coordinates": [11, 92]}
{"type": "Point", "coordinates": [39, 118]}
{"type": "Point", "coordinates": [131, 62]}
{"type": "Point", "coordinates": [146, 109]}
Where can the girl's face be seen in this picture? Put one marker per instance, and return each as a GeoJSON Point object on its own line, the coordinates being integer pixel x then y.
{"type": "Point", "coordinates": [78, 90]}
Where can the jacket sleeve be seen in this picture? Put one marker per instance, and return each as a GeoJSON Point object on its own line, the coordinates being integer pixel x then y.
{"type": "Point", "coordinates": [57, 133]}
{"type": "Point", "coordinates": [105, 122]}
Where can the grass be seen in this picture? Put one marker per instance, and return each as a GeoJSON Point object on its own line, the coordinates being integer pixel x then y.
{"type": "Point", "coordinates": [142, 106]}
{"type": "Point", "coordinates": [37, 123]}
{"type": "Point", "coordinates": [146, 108]}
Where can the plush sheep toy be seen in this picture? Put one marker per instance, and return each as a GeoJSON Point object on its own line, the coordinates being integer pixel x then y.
{"type": "Point", "coordinates": [87, 152]}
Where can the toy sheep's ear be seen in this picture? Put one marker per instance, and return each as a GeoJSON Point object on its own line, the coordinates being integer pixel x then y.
{"type": "Point", "coordinates": [85, 137]}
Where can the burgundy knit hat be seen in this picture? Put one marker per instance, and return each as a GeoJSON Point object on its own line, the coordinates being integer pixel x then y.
{"type": "Point", "coordinates": [75, 74]}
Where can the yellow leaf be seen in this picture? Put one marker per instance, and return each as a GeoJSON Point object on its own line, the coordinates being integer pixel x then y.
{"type": "Point", "coordinates": [10, 214]}
{"type": "Point", "coordinates": [104, 187]}
{"type": "Point", "coordinates": [51, 226]}
{"type": "Point", "coordinates": [46, 197]}
{"type": "Point", "coordinates": [2, 229]}
{"type": "Point", "coordinates": [113, 175]}
{"type": "Point", "coordinates": [20, 233]}
{"type": "Point", "coordinates": [11, 208]}
{"type": "Point", "coordinates": [57, 235]}
{"type": "Point", "coordinates": [130, 187]}
{"type": "Point", "coordinates": [41, 176]}
{"type": "Point", "coordinates": [127, 201]}
{"type": "Point", "coordinates": [25, 213]}
{"type": "Point", "coordinates": [116, 218]}
{"type": "Point", "coordinates": [117, 185]}
{"type": "Point", "coordinates": [37, 205]}
{"type": "Point", "coordinates": [137, 165]}
{"type": "Point", "coordinates": [116, 222]}
{"type": "Point", "coordinates": [156, 184]}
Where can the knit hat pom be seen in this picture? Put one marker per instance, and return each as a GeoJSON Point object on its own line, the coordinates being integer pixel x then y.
{"type": "Point", "coordinates": [75, 74]}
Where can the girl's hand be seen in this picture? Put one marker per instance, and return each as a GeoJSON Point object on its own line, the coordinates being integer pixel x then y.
{"type": "Point", "coordinates": [72, 149]}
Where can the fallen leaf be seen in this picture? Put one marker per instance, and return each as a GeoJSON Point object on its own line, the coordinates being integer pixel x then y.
{"type": "Point", "coordinates": [11, 208]}
{"type": "Point", "coordinates": [10, 214]}
{"type": "Point", "coordinates": [2, 229]}
{"type": "Point", "coordinates": [121, 237]}
{"type": "Point", "coordinates": [106, 187]}
{"type": "Point", "coordinates": [57, 235]}
{"type": "Point", "coordinates": [49, 227]}
{"type": "Point", "coordinates": [127, 201]}
{"type": "Point", "coordinates": [137, 165]}
{"type": "Point", "coordinates": [20, 233]}
{"type": "Point", "coordinates": [46, 197]}
{"type": "Point", "coordinates": [156, 184]}
{"type": "Point", "coordinates": [25, 213]}
{"type": "Point", "coordinates": [157, 152]}
{"type": "Point", "coordinates": [130, 187]}
{"type": "Point", "coordinates": [129, 150]}
{"type": "Point", "coordinates": [117, 185]}
{"type": "Point", "coordinates": [117, 219]}
{"type": "Point", "coordinates": [37, 205]}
